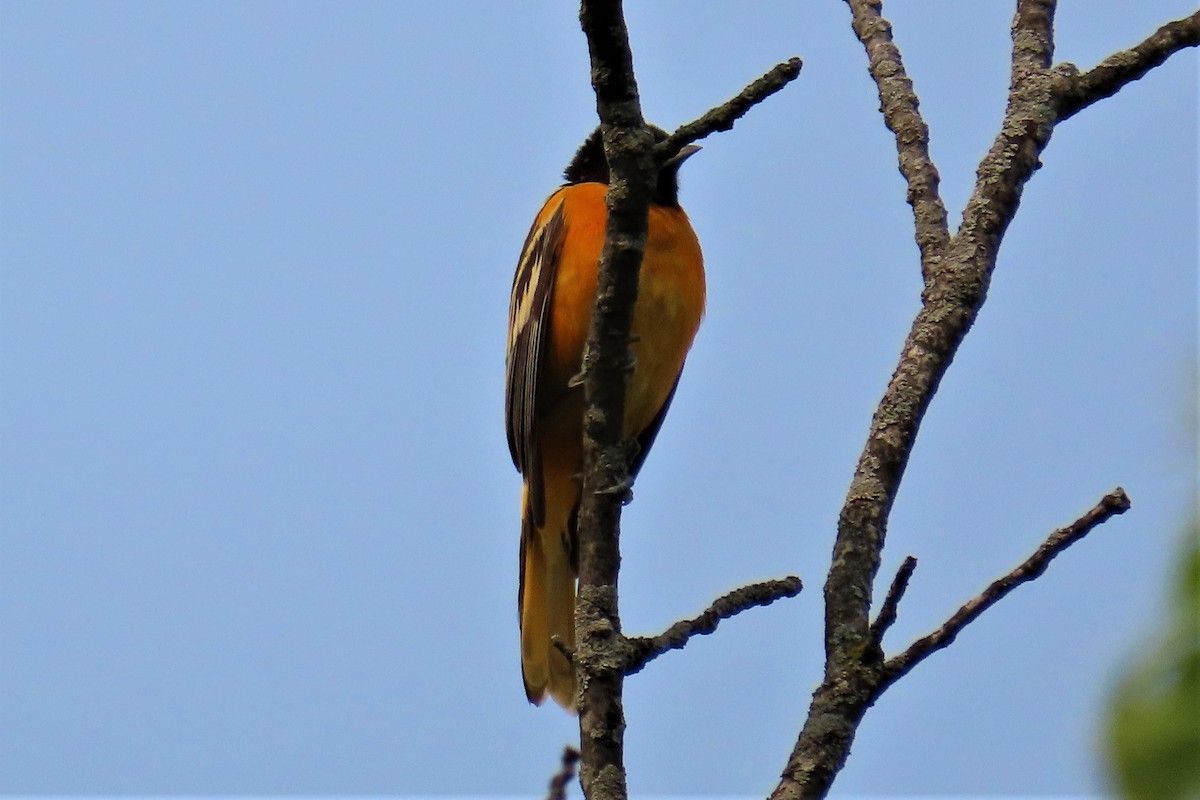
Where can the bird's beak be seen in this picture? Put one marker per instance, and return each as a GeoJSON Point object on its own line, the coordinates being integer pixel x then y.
{"type": "Point", "coordinates": [683, 155]}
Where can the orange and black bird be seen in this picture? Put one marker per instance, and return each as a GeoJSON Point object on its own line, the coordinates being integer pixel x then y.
{"type": "Point", "coordinates": [550, 307]}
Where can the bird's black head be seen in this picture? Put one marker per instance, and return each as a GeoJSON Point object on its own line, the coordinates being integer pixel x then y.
{"type": "Point", "coordinates": [590, 166]}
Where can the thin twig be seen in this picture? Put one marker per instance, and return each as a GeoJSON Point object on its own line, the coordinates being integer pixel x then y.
{"type": "Point", "coordinates": [902, 115]}
{"type": "Point", "coordinates": [562, 778]}
{"type": "Point", "coordinates": [1114, 503]}
{"type": "Point", "coordinates": [723, 116]}
{"type": "Point", "coordinates": [1077, 91]}
{"type": "Point", "coordinates": [562, 647]}
{"type": "Point", "coordinates": [647, 648]}
{"type": "Point", "coordinates": [891, 603]}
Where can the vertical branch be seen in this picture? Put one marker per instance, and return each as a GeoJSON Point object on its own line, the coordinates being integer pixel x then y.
{"type": "Point", "coordinates": [602, 653]}
{"type": "Point", "coordinates": [599, 654]}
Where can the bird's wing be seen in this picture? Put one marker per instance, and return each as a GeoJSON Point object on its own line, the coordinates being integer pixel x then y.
{"type": "Point", "coordinates": [528, 318]}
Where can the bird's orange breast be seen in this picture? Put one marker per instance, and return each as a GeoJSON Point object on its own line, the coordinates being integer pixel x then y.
{"type": "Point", "coordinates": [667, 315]}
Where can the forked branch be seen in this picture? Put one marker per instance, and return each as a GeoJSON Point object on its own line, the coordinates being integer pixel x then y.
{"type": "Point", "coordinates": [1114, 503]}
{"type": "Point", "coordinates": [957, 271]}
{"type": "Point", "coordinates": [891, 603]}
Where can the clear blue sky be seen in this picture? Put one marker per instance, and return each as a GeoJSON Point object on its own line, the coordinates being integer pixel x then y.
{"type": "Point", "coordinates": [258, 519]}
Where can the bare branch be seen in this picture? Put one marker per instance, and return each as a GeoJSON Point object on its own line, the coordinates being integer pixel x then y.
{"type": "Point", "coordinates": [891, 603]}
{"type": "Point", "coordinates": [900, 112]}
{"type": "Point", "coordinates": [1114, 503]}
{"type": "Point", "coordinates": [601, 650]}
{"type": "Point", "coordinates": [628, 147]}
{"type": "Point", "coordinates": [562, 778]}
{"type": "Point", "coordinates": [647, 648]}
{"type": "Point", "coordinates": [957, 280]}
{"type": "Point", "coordinates": [1033, 36]}
{"type": "Point", "coordinates": [956, 287]}
{"type": "Point", "coordinates": [1075, 91]}
{"type": "Point", "coordinates": [723, 116]}
{"type": "Point", "coordinates": [1014, 155]}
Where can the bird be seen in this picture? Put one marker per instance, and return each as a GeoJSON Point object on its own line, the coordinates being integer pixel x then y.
{"type": "Point", "coordinates": [549, 310]}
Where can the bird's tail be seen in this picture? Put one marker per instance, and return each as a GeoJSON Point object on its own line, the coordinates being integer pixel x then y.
{"type": "Point", "coordinates": [546, 602]}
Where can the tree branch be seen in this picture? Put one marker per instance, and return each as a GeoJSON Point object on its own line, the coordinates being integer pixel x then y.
{"type": "Point", "coordinates": [902, 115]}
{"type": "Point", "coordinates": [561, 779]}
{"type": "Point", "coordinates": [957, 270]}
{"type": "Point", "coordinates": [723, 116]}
{"type": "Point", "coordinates": [1114, 503]}
{"type": "Point", "coordinates": [891, 603]}
{"type": "Point", "coordinates": [599, 649]}
{"type": "Point", "coordinates": [647, 648]}
{"type": "Point", "coordinates": [956, 288]}
{"type": "Point", "coordinates": [1013, 157]}
{"type": "Point", "coordinates": [602, 651]}
{"type": "Point", "coordinates": [953, 297]}
{"type": "Point", "coordinates": [1075, 91]}
{"type": "Point", "coordinates": [1033, 37]}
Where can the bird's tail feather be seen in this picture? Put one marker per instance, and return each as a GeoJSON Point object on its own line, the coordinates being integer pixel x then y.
{"type": "Point", "coordinates": [547, 609]}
